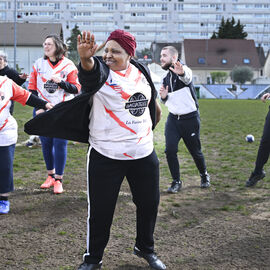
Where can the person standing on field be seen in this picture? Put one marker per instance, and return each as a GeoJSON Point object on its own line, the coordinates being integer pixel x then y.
{"type": "Point", "coordinates": [183, 122]}
{"type": "Point", "coordinates": [117, 114]}
{"type": "Point", "coordinates": [10, 91]}
{"type": "Point", "coordinates": [263, 151]}
{"type": "Point", "coordinates": [54, 78]}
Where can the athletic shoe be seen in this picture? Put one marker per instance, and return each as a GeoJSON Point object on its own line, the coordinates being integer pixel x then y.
{"type": "Point", "coordinates": [49, 182]}
{"type": "Point", "coordinates": [152, 259]}
{"type": "Point", "coordinates": [254, 178]}
{"type": "Point", "coordinates": [175, 186]}
{"type": "Point", "coordinates": [58, 187]}
{"type": "Point", "coordinates": [205, 180]}
{"type": "Point", "coordinates": [4, 207]}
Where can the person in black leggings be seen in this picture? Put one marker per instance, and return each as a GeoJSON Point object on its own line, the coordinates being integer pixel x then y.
{"type": "Point", "coordinates": [263, 151]}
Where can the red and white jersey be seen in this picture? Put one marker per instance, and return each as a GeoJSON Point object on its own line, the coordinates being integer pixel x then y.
{"type": "Point", "coordinates": [120, 123]}
{"type": "Point", "coordinates": [8, 125]}
{"type": "Point", "coordinates": [40, 79]}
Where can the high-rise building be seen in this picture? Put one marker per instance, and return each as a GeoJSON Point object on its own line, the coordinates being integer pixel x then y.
{"type": "Point", "coordinates": [160, 20]}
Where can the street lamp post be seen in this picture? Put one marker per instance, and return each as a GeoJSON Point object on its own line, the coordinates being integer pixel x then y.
{"type": "Point", "coordinates": [15, 31]}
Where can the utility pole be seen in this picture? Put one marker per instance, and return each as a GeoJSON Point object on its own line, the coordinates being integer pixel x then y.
{"type": "Point", "coordinates": [15, 31]}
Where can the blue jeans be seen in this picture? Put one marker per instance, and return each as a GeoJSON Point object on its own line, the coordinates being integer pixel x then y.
{"type": "Point", "coordinates": [6, 168]}
{"type": "Point", "coordinates": [188, 129]}
{"type": "Point", "coordinates": [54, 153]}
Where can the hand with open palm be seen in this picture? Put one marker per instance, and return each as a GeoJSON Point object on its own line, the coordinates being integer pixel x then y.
{"type": "Point", "coordinates": [86, 47]}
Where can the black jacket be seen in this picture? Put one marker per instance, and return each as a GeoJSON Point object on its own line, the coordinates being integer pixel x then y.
{"type": "Point", "coordinates": [12, 74]}
{"type": "Point", "coordinates": [70, 119]}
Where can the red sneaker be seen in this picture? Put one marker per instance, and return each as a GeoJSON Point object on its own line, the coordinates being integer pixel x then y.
{"type": "Point", "coordinates": [48, 183]}
{"type": "Point", "coordinates": [58, 187]}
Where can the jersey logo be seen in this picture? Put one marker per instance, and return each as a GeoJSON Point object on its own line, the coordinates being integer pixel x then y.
{"type": "Point", "coordinates": [50, 86]}
{"type": "Point", "coordinates": [137, 104]}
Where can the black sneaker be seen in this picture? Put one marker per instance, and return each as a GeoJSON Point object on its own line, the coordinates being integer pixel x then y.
{"type": "Point", "coordinates": [205, 180]}
{"type": "Point", "coordinates": [254, 178]}
{"type": "Point", "coordinates": [152, 259]}
{"type": "Point", "coordinates": [175, 186]}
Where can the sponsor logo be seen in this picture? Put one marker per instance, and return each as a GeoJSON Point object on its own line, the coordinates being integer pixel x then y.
{"type": "Point", "coordinates": [50, 86]}
{"type": "Point", "coordinates": [137, 104]}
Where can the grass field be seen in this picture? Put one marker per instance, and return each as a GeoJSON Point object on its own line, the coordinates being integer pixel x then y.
{"type": "Point", "coordinates": [224, 227]}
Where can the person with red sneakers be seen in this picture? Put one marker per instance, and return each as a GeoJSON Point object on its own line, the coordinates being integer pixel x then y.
{"type": "Point", "coordinates": [54, 78]}
{"type": "Point", "coordinates": [10, 91]}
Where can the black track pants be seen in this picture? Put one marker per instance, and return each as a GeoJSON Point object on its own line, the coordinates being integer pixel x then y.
{"type": "Point", "coordinates": [264, 148]}
{"type": "Point", "coordinates": [189, 130]}
{"type": "Point", "coordinates": [105, 177]}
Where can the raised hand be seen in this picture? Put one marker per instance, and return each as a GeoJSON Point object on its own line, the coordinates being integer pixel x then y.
{"type": "Point", "coordinates": [86, 45]}
{"type": "Point", "coordinates": [177, 68]}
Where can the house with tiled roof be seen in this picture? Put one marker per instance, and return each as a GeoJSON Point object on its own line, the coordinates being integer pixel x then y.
{"type": "Point", "coordinates": [204, 56]}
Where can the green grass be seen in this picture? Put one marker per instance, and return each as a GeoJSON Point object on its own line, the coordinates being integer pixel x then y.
{"type": "Point", "coordinates": [224, 125]}
{"type": "Point", "coordinates": [229, 158]}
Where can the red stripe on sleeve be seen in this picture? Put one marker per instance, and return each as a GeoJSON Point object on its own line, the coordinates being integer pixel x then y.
{"type": "Point", "coordinates": [33, 80]}
{"type": "Point", "coordinates": [72, 78]}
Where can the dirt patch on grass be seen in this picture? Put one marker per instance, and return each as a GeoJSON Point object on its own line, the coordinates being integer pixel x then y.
{"type": "Point", "coordinates": [196, 229]}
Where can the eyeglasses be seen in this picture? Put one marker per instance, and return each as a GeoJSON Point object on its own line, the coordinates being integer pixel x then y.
{"type": "Point", "coordinates": [47, 44]}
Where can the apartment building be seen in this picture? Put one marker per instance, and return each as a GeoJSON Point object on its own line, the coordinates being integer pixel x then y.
{"type": "Point", "coordinates": [149, 21]}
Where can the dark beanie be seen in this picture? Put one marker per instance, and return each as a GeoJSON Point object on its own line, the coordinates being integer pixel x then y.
{"type": "Point", "coordinates": [125, 40]}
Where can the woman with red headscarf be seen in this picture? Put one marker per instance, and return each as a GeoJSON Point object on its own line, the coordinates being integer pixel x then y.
{"type": "Point", "coordinates": [121, 140]}
{"type": "Point", "coordinates": [116, 115]}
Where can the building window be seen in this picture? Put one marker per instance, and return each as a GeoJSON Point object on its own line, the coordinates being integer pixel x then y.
{"type": "Point", "coordinates": [246, 61]}
{"type": "Point", "coordinates": [224, 61]}
{"type": "Point", "coordinates": [201, 60]}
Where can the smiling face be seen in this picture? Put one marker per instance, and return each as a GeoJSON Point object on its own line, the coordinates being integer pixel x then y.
{"type": "Point", "coordinates": [115, 56]}
{"type": "Point", "coordinates": [166, 59]}
{"type": "Point", "coordinates": [49, 48]}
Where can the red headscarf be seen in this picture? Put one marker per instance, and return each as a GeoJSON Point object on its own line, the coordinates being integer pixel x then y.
{"type": "Point", "coordinates": [125, 40]}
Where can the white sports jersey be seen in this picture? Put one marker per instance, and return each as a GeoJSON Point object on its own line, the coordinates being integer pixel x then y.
{"type": "Point", "coordinates": [120, 123]}
{"type": "Point", "coordinates": [8, 125]}
{"type": "Point", "coordinates": [40, 79]}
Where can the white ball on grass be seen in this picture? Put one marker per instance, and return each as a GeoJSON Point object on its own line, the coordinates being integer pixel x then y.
{"type": "Point", "coordinates": [250, 138]}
